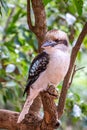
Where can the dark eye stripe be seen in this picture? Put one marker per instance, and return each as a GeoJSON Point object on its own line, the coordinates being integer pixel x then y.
{"type": "Point", "coordinates": [56, 40]}
{"type": "Point", "coordinates": [65, 42]}
{"type": "Point", "coordinates": [61, 42]}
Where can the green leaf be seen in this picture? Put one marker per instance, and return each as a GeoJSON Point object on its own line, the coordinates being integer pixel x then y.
{"type": "Point", "coordinates": [4, 5]}
{"type": "Point", "coordinates": [0, 86]}
{"type": "Point", "coordinates": [9, 94]}
{"type": "Point", "coordinates": [4, 99]}
{"type": "Point", "coordinates": [11, 29]}
{"type": "Point", "coordinates": [79, 6]}
{"type": "Point", "coordinates": [46, 2]}
{"type": "Point", "coordinates": [16, 16]}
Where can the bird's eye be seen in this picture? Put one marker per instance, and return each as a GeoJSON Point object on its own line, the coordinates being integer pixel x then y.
{"type": "Point", "coordinates": [56, 40]}
{"type": "Point", "coordinates": [65, 43]}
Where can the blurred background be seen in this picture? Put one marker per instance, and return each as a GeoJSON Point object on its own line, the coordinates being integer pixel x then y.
{"type": "Point", "coordinates": [18, 46]}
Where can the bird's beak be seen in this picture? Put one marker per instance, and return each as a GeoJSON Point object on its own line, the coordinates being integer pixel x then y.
{"type": "Point", "coordinates": [48, 44]}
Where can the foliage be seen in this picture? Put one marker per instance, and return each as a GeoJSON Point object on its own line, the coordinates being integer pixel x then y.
{"type": "Point", "coordinates": [18, 46]}
{"type": "Point", "coordinates": [3, 4]}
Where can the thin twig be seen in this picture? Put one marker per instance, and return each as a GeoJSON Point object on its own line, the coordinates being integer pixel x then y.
{"type": "Point", "coordinates": [73, 73]}
{"type": "Point", "coordinates": [80, 68]}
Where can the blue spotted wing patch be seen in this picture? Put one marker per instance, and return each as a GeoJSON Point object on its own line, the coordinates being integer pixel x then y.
{"type": "Point", "coordinates": [38, 65]}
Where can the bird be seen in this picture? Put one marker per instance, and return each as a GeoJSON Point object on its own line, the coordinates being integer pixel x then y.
{"type": "Point", "coordinates": [48, 68]}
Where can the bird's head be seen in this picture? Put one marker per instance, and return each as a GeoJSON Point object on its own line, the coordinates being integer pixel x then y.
{"type": "Point", "coordinates": [56, 39]}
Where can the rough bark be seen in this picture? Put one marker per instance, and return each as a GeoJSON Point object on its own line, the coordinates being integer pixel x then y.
{"type": "Point", "coordinates": [39, 28]}
{"type": "Point", "coordinates": [8, 120]}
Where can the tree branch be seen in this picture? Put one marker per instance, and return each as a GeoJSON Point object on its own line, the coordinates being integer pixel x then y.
{"type": "Point", "coordinates": [50, 111]}
{"type": "Point", "coordinates": [65, 87]}
{"type": "Point", "coordinates": [29, 16]}
{"type": "Point", "coordinates": [40, 20]}
{"type": "Point", "coordinates": [8, 120]}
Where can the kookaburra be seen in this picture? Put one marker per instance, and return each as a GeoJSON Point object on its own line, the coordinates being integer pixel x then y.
{"type": "Point", "coordinates": [48, 68]}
